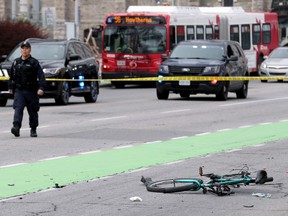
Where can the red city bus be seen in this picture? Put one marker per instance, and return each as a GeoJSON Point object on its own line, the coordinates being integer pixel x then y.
{"type": "Point", "coordinates": [134, 42]}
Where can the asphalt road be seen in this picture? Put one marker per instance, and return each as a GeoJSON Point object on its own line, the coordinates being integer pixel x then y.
{"type": "Point", "coordinates": [97, 153]}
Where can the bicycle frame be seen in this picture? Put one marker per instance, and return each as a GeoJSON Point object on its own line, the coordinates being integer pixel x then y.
{"type": "Point", "coordinates": [217, 184]}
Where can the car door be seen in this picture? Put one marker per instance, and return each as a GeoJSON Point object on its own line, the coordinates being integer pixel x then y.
{"type": "Point", "coordinates": [92, 63]}
{"type": "Point", "coordinates": [240, 65]}
{"type": "Point", "coordinates": [231, 66]}
{"type": "Point", "coordinates": [78, 65]}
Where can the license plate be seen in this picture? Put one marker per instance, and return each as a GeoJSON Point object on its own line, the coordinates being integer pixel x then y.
{"type": "Point", "coordinates": [121, 63]}
{"type": "Point", "coordinates": [184, 82]}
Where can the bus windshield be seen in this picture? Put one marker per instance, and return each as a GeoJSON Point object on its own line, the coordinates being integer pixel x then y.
{"type": "Point", "coordinates": [135, 39]}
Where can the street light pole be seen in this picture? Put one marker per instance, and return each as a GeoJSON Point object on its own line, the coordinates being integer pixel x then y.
{"type": "Point", "coordinates": [76, 19]}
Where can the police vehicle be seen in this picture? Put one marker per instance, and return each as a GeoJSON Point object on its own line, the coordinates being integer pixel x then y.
{"type": "Point", "coordinates": [68, 64]}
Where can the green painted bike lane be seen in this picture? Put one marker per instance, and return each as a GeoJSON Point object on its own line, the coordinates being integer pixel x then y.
{"type": "Point", "coordinates": [33, 177]}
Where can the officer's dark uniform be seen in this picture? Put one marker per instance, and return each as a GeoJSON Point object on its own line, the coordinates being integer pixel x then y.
{"type": "Point", "coordinates": [26, 77]}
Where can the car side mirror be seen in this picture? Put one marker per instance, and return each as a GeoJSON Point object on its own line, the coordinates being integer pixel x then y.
{"type": "Point", "coordinates": [74, 57]}
{"type": "Point", "coordinates": [2, 58]}
{"type": "Point", "coordinates": [233, 58]}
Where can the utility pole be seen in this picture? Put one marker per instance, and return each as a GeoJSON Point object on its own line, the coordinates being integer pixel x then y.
{"type": "Point", "coordinates": [77, 19]}
{"type": "Point", "coordinates": [14, 9]}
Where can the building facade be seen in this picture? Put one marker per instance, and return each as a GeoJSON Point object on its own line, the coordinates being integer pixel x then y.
{"type": "Point", "coordinates": [62, 18]}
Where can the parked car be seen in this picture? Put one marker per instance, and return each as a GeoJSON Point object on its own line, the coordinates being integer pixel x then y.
{"type": "Point", "coordinates": [204, 58]}
{"type": "Point", "coordinates": [276, 64]}
{"type": "Point", "coordinates": [60, 59]}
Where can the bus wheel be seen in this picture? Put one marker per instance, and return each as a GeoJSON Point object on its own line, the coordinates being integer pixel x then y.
{"type": "Point", "coordinates": [118, 84]}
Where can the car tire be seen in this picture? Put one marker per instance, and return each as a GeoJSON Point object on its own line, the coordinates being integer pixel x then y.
{"type": "Point", "coordinates": [162, 95]}
{"type": "Point", "coordinates": [264, 81]}
{"type": "Point", "coordinates": [63, 94]}
{"type": "Point", "coordinates": [91, 97]}
{"type": "Point", "coordinates": [243, 91]}
{"type": "Point", "coordinates": [3, 101]}
{"type": "Point", "coordinates": [223, 93]}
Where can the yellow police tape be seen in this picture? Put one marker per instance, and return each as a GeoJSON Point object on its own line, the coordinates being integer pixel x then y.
{"type": "Point", "coordinates": [176, 78]}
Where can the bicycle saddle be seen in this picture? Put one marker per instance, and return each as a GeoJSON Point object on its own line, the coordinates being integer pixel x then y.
{"type": "Point", "coordinates": [261, 177]}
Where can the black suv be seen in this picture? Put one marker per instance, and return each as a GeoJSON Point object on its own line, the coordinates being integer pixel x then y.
{"type": "Point", "coordinates": [60, 59]}
{"type": "Point", "coordinates": [204, 58]}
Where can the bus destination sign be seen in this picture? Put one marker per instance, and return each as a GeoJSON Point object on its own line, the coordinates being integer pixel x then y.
{"type": "Point", "coordinates": [135, 20]}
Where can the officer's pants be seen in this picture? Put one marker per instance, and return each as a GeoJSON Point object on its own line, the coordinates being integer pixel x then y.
{"type": "Point", "coordinates": [29, 99]}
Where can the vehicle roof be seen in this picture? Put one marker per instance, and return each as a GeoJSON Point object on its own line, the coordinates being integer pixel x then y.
{"type": "Point", "coordinates": [206, 42]}
{"type": "Point", "coordinates": [40, 40]}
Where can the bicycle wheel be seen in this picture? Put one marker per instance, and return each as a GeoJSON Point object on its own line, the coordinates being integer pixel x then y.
{"type": "Point", "coordinates": [175, 185]}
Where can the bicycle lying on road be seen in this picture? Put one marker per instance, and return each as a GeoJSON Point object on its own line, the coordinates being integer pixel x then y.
{"type": "Point", "coordinates": [218, 184]}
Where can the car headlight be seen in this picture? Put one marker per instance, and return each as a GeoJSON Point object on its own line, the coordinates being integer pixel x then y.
{"type": "Point", "coordinates": [263, 65]}
{"type": "Point", "coordinates": [51, 70]}
{"type": "Point", "coordinates": [211, 69]}
{"type": "Point", "coordinates": [164, 69]}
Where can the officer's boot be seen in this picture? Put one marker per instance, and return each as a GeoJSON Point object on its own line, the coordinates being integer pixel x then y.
{"type": "Point", "coordinates": [33, 132]}
{"type": "Point", "coordinates": [15, 130]}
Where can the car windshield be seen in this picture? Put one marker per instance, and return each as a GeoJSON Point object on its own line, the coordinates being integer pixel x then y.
{"type": "Point", "coordinates": [196, 51]}
{"type": "Point", "coordinates": [135, 39]}
{"type": "Point", "coordinates": [279, 53]}
{"type": "Point", "coordinates": [42, 52]}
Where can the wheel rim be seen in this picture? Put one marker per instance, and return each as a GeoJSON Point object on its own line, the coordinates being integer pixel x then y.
{"type": "Point", "coordinates": [93, 89]}
{"type": "Point", "coordinates": [65, 92]}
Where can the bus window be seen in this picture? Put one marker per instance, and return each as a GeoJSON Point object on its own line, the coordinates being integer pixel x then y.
{"type": "Point", "coordinates": [199, 32]}
{"type": "Point", "coordinates": [190, 33]}
{"type": "Point", "coordinates": [180, 33]}
{"type": "Point", "coordinates": [266, 33]}
{"type": "Point", "coordinates": [234, 33]}
{"type": "Point", "coordinates": [209, 32]}
{"type": "Point", "coordinates": [172, 37]}
{"type": "Point", "coordinates": [245, 37]}
{"type": "Point", "coordinates": [216, 32]}
{"type": "Point", "coordinates": [256, 39]}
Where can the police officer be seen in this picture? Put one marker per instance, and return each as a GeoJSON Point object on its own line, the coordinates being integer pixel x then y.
{"type": "Point", "coordinates": [27, 81]}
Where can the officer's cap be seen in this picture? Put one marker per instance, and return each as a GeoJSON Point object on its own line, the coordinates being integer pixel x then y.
{"type": "Point", "coordinates": [25, 44]}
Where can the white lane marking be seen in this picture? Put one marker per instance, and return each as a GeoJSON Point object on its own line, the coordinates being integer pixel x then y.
{"type": "Point", "coordinates": [108, 118]}
{"type": "Point", "coordinates": [233, 150]}
{"type": "Point", "coordinates": [175, 111]}
{"type": "Point", "coordinates": [12, 165]}
{"type": "Point", "coordinates": [121, 147]}
{"type": "Point", "coordinates": [256, 101]}
{"type": "Point", "coordinates": [223, 130]}
{"type": "Point", "coordinates": [90, 152]}
{"type": "Point", "coordinates": [202, 134]}
{"type": "Point", "coordinates": [258, 145]}
{"type": "Point", "coordinates": [246, 126]}
{"type": "Point", "coordinates": [138, 170]}
{"type": "Point", "coordinates": [174, 162]}
{"type": "Point", "coordinates": [182, 137]}
{"type": "Point", "coordinates": [11, 198]}
{"type": "Point", "coordinates": [149, 143]}
{"type": "Point", "coordinates": [53, 158]}
{"type": "Point", "coordinates": [265, 123]}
